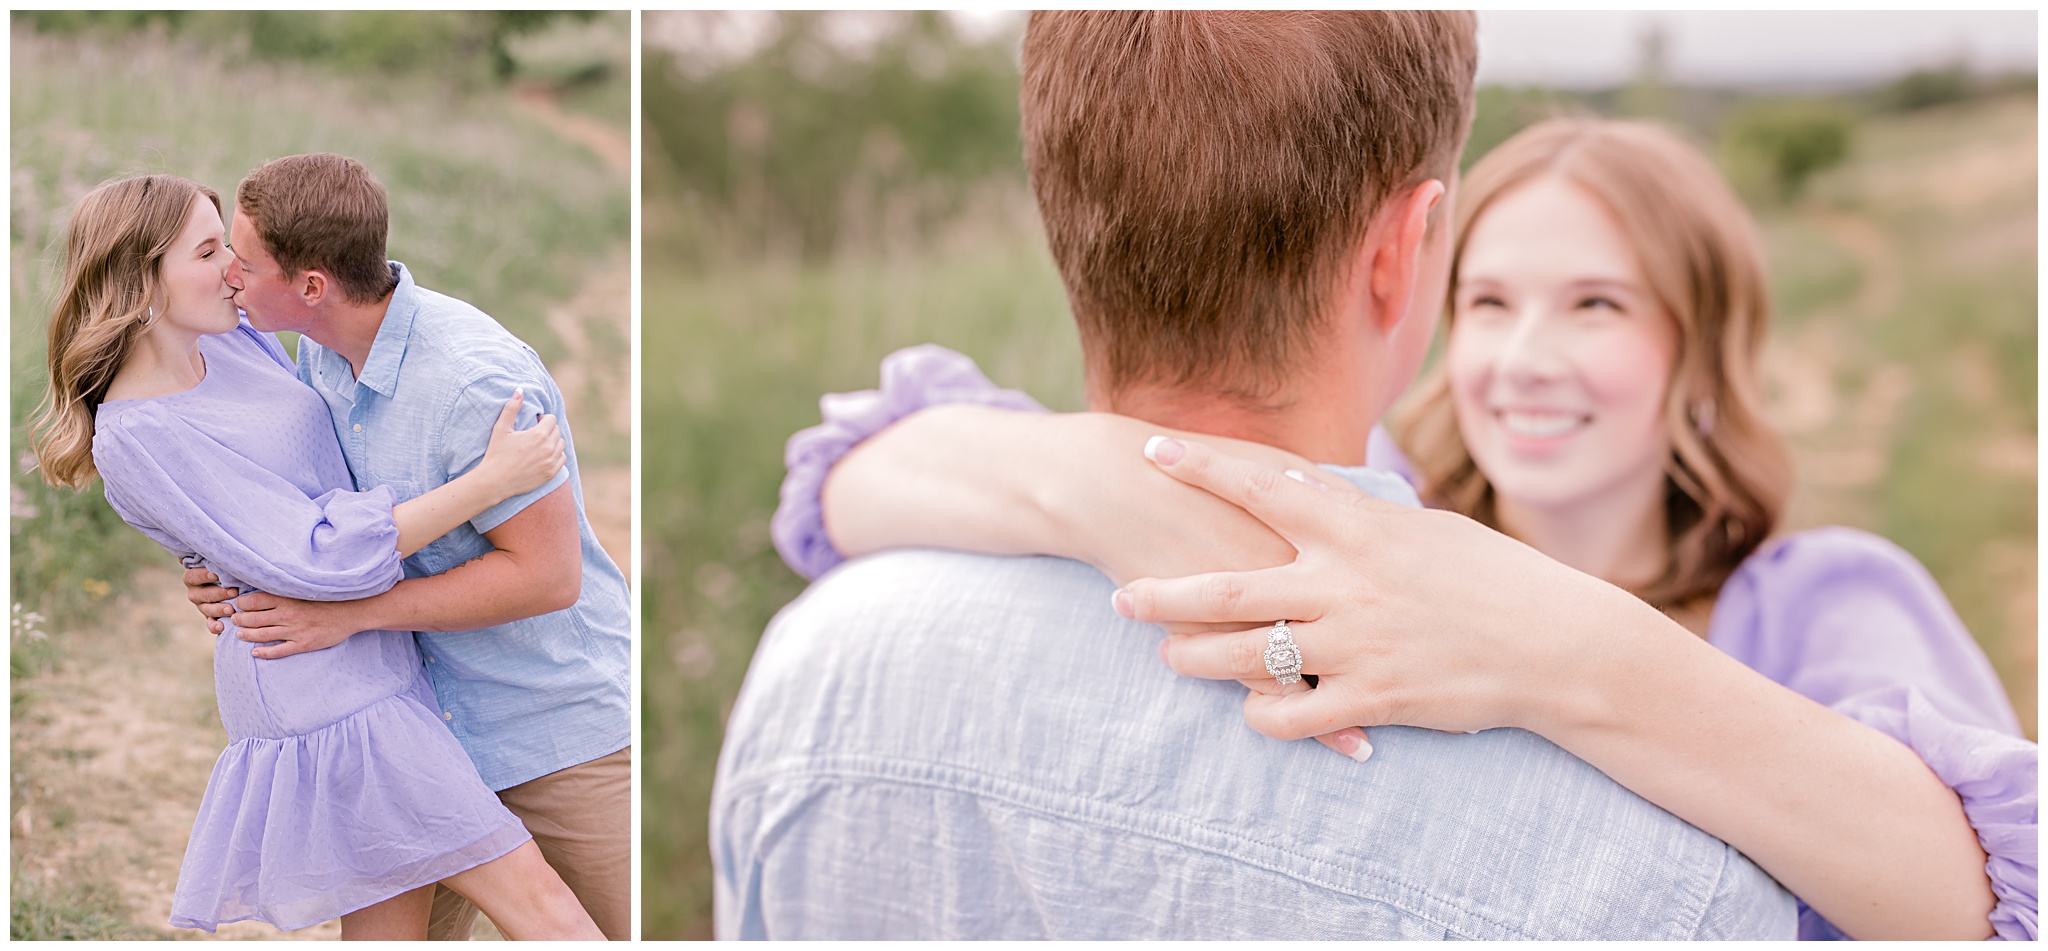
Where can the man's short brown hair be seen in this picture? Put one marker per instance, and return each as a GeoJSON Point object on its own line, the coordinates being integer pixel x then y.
{"type": "Point", "coordinates": [1203, 176]}
{"type": "Point", "coordinates": [322, 212]}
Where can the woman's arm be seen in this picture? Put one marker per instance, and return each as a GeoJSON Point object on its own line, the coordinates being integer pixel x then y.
{"type": "Point", "coordinates": [999, 482]}
{"type": "Point", "coordinates": [939, 456]}
{"type": "Point", "coordinates": [1429, 619]}
{"type": "Point", "coordinates": [516, 461]}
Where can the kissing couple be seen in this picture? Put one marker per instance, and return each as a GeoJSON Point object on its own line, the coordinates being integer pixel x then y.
{"type": "Point", "coordinates": [1588, 692]}
{"type": "Point", "coordinates": [421, 653]}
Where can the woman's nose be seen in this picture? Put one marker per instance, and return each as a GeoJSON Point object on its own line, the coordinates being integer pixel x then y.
{"type": "Point", "coordinates": [1530, 353]}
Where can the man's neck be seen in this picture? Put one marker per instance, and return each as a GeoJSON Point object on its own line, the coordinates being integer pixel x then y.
{"type": "Point", "coordinates": [1324, 417]}
{"type": "Point", "coordinates": [351, 330]}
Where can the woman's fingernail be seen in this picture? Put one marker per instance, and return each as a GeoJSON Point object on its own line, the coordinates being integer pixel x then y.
{"type": "Point", "coordinates": [1353, 743]}
{"type": "Point", "coordinates": [1164, 450]}
{"type": "Point", "coordinates": [1121, 602]}
{"type": "Point", "coordinates": [1305, 479]}
{"type": "Point", "coordinates": [1363, 752]}
{"type": "Point", "coordinates": [1162, 653]}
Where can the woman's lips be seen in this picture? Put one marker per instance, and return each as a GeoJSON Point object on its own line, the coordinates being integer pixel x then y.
{"type": "Point", "coordinates": [1540, 429]}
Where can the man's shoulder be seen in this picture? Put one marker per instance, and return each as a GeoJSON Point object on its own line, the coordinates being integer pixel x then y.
{"type": "Point", "coordinates": [1007, 688]}
{"type": "Point", "coordinates": [463, 343]}
{"type": "Point", "coordinates": [918, 582]}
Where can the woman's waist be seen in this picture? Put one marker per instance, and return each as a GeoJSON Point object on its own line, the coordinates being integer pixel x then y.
{"type": "Point", "coordinates": [306, 691]}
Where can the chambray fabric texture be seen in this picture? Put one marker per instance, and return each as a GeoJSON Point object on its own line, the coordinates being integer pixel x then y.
{"type": "Point", "coordinates": [340, 787]}
{"type": "Point", "coordinates": [531, 696]}
{"type": "Point", "coordinates": [1842, 617]}
{"type": "Point", "coordinates": [940, 745]}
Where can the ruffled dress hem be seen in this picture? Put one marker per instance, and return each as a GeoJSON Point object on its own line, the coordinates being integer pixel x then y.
{"type": "Point", "coordinates": [395, 790]}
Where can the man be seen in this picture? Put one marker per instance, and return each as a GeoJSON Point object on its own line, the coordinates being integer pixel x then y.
{"type": "Point", "coordinates": [523, 619]}
{"type": "Point", "coordinates": [1248, 213]}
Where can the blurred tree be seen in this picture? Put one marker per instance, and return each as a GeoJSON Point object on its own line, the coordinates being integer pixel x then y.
{"type": "Point", "coordinates": [1649, 95]}
{"type": "Point", "coordinates": [815, 141]}
{"type": "Point", "coordinates": [1923, 88]}
{"type": "Point", "coordinates": [1789, 139]}
{"type": "Point", "coordinates": [1502, 111]}
{"type": "Point", "coordinates": [464, 46]}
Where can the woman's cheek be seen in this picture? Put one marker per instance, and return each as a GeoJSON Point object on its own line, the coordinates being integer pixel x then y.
{"type": "Point", "coordinates": [1625, 370]}
{"type": "Point", "coordinates": [1468, 359]}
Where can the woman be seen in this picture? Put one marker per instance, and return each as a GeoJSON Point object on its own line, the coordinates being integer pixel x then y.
{"type": "Point", "coordinates": [1597, 403]}
{"type": "Point", "coordinates": [342, 793]}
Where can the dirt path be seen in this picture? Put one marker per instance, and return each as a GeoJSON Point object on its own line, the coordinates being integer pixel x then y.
{"type": "Point", "coordinates": [608, 143]}
{"type": "Point", "coordinates": [119, 741]}
{"type": "Point", "coordinates": [1840, 401]}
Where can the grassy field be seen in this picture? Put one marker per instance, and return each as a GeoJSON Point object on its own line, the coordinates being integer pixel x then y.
{"type": "Point", "coordinates": [1903, 371]}
{"type": "Point", "coordinates": [112, 728]}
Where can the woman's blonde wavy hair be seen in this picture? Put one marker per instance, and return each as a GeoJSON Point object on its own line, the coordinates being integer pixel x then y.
{"type": "Point", "coordinates": [1729, 473]}
{"type": "Point", "coordinates": [113, 256]}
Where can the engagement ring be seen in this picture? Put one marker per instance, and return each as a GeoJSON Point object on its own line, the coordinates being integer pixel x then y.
{"type": "Point", "coordinates": [1283, 659]}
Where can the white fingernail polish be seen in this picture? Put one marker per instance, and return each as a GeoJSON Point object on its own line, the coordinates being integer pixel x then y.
{"type": "Point", "coordinates": [1305, 479]}
{"type": "Point", "coordinates": [1363, 752]}
{"type": "Point", "coordinates": [1152, 447]}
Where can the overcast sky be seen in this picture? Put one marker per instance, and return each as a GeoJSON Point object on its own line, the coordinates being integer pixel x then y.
{"type": "Point", "coordinates": [1715, 48]}
{"type": "Point", "coordinates": [1594, 49]}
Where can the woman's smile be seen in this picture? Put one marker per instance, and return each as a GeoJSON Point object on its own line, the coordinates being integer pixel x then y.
{"type": "Point", "coordinates": [1559, 355]}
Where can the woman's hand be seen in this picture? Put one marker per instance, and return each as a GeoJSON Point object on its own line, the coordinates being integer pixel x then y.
{"type": "Point", "coordinates": [1407, 616]}
{"type": "Point", "coordinates": [521, 460]}
{"type": "Point", "coordinates": [1428, 619]}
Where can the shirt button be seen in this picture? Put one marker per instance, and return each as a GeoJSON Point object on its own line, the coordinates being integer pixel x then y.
{"type": "Point", "coordinates": [359, 427]}
{"type": "Point", "coordinates": [430, 660]}
{"type": "Point", "coordinates": [445, 715]}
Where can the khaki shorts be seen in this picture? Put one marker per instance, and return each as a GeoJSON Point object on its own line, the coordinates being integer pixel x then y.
{"type": "Point", "coordinates": [582, 819]}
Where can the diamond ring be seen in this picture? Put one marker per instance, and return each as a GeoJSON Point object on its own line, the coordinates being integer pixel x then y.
{"type": "Point", "coordinates": [1283, 658]}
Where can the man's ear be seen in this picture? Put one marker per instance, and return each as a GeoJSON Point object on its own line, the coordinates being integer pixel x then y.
{"type": "Point", "coordinates": [314, 287]}
{"type": "Point", "coordinates": [1395, 243]}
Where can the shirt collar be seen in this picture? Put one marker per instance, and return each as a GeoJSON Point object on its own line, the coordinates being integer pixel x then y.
{"type": "Point", "coordinates": [387, 352]}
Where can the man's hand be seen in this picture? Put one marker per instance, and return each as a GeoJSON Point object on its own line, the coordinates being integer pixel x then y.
{"type": "Point", "coordinates": [297, 626]}
{"type": "Point", "coordinates": [202, 588]}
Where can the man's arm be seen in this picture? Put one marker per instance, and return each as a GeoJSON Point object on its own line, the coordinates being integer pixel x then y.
{"type": "Point", "coordinates": [537, 568]}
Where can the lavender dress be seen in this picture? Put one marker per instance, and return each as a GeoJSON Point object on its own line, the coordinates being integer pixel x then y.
{"type": "Point", "coordinates": [1841, 616]}
{"type": "Point", "coordinates": [340, 786]}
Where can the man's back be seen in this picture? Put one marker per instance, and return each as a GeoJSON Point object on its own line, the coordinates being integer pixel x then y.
{"type": "Point", "coordinates": [937, 745]}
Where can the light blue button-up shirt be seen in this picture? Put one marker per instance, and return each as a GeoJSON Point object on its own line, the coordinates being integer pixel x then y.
{"type": "Point", "coordinates": [535, 695]}
{"type": "Point", "coordinates": [938, 745]}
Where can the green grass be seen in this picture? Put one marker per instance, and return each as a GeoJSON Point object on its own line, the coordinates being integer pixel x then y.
{"type": "Point", "coordinates": [76, 912]}
{"type": "Point", "coordinates": [487, 204]}
{"type": "Point", "coordinates": [735, 357]}
{"type": "Point", "coordinates": [735, 354]}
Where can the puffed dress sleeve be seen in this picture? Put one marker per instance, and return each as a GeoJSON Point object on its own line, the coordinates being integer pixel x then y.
{"type": "Point", "coordinates": [1852, 621]}
{"type": "Point", "coordinates": [912, 379]}
{"type": "Point", "coordinates": [251, 526]}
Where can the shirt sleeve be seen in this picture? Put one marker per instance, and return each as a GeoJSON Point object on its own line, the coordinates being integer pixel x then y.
{"type": "Point", "coordinates": [251, 525]}
{"type": "Point", "coordinates": [467, 433]}
{"type": "Point", "coordinates": [912, 379]}
{"type": "Point", "coordinates": [1383, 453]}
{"type": "Point", "coordinates": [1854, 622]}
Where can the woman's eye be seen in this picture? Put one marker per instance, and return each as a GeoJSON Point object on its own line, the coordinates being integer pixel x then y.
{"type": "Point", "coordinates": [1600, 303]}
{"type": "Point", "coordinates": [206, 255]}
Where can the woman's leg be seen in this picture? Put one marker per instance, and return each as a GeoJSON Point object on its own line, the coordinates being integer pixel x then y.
{"type": "Point", "coordinates": [399, 918]}
{"type": "Point", "coordinates": [524, 898]}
